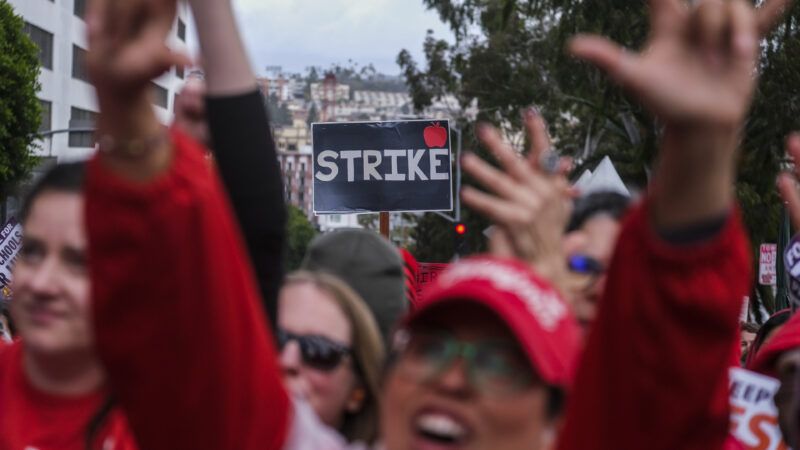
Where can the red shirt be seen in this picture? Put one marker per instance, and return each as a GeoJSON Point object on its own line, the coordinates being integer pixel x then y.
{"type": "Point", "coordinates": [177, 317]}
{"type": "Point", "coordinates": [30, 419]}
{"type": "Point", "coordinates": [654, 374]}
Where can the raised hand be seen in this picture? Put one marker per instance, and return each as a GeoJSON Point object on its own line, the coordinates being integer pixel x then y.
{"type": "Point", "coordinates": [127, 44]}
{"type": "Point", "coordinates": [698, 65]}
{"type": "Point", "coordinates": [529, 206]}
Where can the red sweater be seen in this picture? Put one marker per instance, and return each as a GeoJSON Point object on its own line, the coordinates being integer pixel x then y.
{"type": "Point", "coordinates": [655, 371]}
{"type": "Point", "coordinates": [30, 419]}
{"type": "Point", "coordinates": [176, 311]}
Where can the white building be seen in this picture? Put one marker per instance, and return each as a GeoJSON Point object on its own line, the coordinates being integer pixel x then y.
{"type": "Point", "coordinates": [68, 100]}
{"type": "Point", "coordinates": [333, 222]}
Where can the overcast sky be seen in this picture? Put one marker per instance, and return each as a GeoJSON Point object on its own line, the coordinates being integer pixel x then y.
{"type": "Point", "coordinates": [296, 34]}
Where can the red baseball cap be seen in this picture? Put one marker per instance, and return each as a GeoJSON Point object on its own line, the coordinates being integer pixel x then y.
{"type": "Point", "coordinates": [531, 308]}
{"type": "Point", "coordinates": [787, 338]}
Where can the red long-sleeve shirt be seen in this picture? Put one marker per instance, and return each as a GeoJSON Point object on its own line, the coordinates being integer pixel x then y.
{"type": "Point", "coordinates": [176, 312]}
{"type": "Point", "coordinates": [32, 419]}
{"type": "Point", "coordinates": [654, 374]}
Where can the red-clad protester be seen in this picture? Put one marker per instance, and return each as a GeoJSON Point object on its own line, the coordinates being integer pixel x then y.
{"type": "Point", "coordinates": [191, 362]}
{"type": "Point", "coordinates": [779, 355]}
{"type": "Point", "coordinates": [780, 358]}
{"type": "Point", "coordinates": [52, 386]}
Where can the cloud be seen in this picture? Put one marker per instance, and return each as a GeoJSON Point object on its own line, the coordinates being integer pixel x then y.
{"type": "Point", "coordinates": [300, 33]}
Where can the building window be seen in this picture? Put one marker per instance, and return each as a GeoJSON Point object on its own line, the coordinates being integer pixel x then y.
{"type": "Point", "coordinates": [161, 96]}
{"type": "Point", "coordinates": [336, 218]}
{"type": "Point", "coordinates": [80, 8]}
{"type": "Point", "coordinates": [44, 40]}
{"type": "Point", "coordinates": [79, 64]}
{"type": "Point", "coordinates": [179, 72]}
{"type": "Point", "coordinates": [81, 118]}
{"type": "Point", "coordinates": [302, 198]}
{"type": "Point", "coordinates": [47, 114]}
{"type": "Point", "coordinates": [181, 30]}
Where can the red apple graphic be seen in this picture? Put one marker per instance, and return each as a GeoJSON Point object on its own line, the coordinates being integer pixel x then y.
{"type": "Point", "coordinates": [435, 135]}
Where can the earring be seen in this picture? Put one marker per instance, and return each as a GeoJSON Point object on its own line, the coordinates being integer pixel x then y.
{"type": "Point", "coordinates": [356, 400]}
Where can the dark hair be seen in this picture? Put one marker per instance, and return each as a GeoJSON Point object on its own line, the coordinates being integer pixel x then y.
{"type": "Point", "coordinates": [775, 321]}
{"type": "Point", "coordinates": [98, 421]}
{"type": "Point", "coordinates": [67, 177]}
{"type": "Point", "coordinates": [749, 327]}
{"type": "Point", "coordinates": [613, 204]}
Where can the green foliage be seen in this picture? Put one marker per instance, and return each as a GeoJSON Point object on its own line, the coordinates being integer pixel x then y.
{"type": "Point", "coordinates": [313, 115]}
{"type": "Point", "coordinates": [301, 232]}
{"type": "Point", "coordinates": [20, 113]}
{"type": "Point", "coordinates": [509, 54]}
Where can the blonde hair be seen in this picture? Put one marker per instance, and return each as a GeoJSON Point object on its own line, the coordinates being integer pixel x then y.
{"type": "Point", "coordinates": [368, 352]}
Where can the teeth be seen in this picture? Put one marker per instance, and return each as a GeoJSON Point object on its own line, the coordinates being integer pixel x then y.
{"type": "Point", "coordinates": [441, 426]}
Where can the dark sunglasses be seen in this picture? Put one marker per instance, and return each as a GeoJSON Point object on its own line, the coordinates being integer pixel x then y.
{"type": "Point", "coordinates": [318, 352]}
{"type": "Point", "coordinates": [585, 265]}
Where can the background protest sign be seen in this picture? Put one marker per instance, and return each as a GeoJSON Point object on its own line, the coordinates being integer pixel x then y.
{"type": "Point", "coordinates": [10, 243]}
{"type": "Point", "coordinates": [754, 418]}
{"type": "Point", "coordinates": [382, 166]}
{"type": "Point", "coordinates": [766, 264]}
{"type": "Point", "coordinates": [791, 256]}
{"type": "Point", "coordinates": [427, 274]}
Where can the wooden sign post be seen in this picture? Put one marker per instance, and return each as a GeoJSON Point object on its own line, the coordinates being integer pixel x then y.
{"type": "Point", "coordinates": [385, 224]}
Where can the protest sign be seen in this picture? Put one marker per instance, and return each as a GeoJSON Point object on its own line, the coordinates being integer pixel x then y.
{"type": "Point", "coordinates": [382, 166]}
{"type": "Point", "coordinates": [10, 243]}
{"type": "Point", "coordinates": [427, 274]}
{"type": "Point", "coordinates": [766, 264]}
{"type": "Point", "coordinates": [791, 257]}
{"type": "Point", "coordinates": [754, 418]}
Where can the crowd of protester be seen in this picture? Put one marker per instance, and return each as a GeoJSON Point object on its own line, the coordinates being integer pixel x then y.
{"type": "Point", "coordinates": [151, 309]}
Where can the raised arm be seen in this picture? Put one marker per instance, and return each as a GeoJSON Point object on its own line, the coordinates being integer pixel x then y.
{"type": "Point", "coordinates": [241, 140]}
{"type": "Point", "coordinates": [654, 372]}
{"type": "Point", "coordinates": [175, 309]}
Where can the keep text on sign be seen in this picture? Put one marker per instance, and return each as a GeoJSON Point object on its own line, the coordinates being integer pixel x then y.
{"type": "Point", "coordinates": [382, 166]}
{"type": "Point", "coordinates": [754, 418]}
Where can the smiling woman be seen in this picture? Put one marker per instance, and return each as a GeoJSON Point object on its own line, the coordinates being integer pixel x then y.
{"type": "Point", "coordinates": [53, 366]}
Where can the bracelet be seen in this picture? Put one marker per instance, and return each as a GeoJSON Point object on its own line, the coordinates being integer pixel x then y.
{"type": "Point", "coordinates": [132, 148]}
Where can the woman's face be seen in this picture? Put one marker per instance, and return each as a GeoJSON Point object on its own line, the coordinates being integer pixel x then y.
{"type": "Point", "coordinates": [448, 411]}
{"type": "Point", "coordinates": [305, 310]}
{"type": "Point", "coordinates": [50, 280]}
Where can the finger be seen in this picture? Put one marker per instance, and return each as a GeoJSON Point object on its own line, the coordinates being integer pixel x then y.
{"type": "Point", "coordinates": [499, 211]}
{"type": "Point", "coordinates": [709, 20]}
{"type": "Point", "coordinates": [508, 158]}
{"type": "Point", "coordinates": [565, 166]}
{"type": "Point", "coordinates": [667, 17]}
{"type": "Point", "coordinates": [500, 243]}
{"type": "Point", "coordinates": [769, 14]}
{"type": "Point", "coordinates": [787, 184]}
{"type": "Point", "coordinates": [537, 134]}
{"type": "Point", "coordinates": [490, 178]}
{"type": "Point", "coordinates": [609, 57]}
{"type": "Point", "coordinates": [743, 36]}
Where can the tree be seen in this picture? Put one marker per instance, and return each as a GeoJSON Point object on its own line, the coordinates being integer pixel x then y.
{"type": "Point", "coordinates": [313, 115]}
{"type": "Point", "coordinates": [508, 54]}
{"type": "Point", "coordinates": [20, 111]}
{"type": "Point", "coordinates": [301, 232]}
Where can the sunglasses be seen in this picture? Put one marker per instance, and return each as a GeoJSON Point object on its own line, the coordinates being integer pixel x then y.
{"type": "Point", "coordinates": [318, 352]}
{"type": "Point", "coordinates": [496, 368]}
{"type": "Point", "coordinates": [585, 265]}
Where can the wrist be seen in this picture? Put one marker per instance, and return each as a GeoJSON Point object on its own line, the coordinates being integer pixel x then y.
{"type": "Point", "coordinates": [695, 175]}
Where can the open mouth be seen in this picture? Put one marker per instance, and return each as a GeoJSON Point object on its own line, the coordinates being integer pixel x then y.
{"type": "Point", "coordinates": [441, 430]}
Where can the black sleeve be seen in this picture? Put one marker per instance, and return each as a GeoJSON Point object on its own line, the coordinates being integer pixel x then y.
{"type": "Point", "coordinates": [245, 155]}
